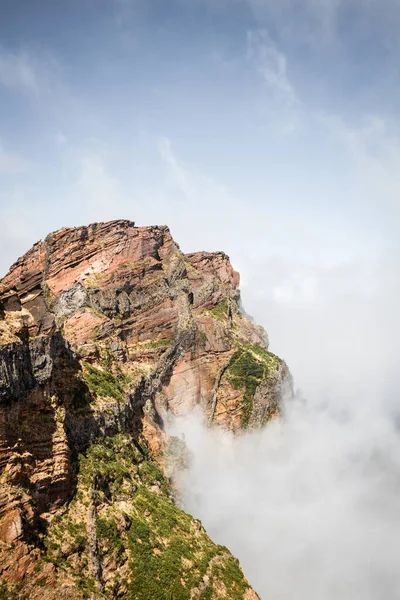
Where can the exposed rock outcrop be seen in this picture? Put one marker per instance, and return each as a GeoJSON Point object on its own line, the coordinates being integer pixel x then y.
{"type": "Point", "coordinates": [103, 331]}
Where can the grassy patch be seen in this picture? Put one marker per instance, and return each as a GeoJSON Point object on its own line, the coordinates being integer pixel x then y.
{"type": "Point", "coordinates": [167, 551]}
{"type": "Point", "coordinates": [137, 526]}
{"type": "Point", "coordinates": [94, 280]}
{"type": "Point", "coordinates": [160, 547]}
{"type": "Point", "coordinates": [48, 294]}
{"type": "Point", "coordinates": [109, 536]}
{"type": "Point", "coordinates": [230, 573]}
{"type": "Point", "coordinates": [114, 459]}
{"type": "Point", "coordinates": [104, 383]}
{"type": "Point", "coordinates": [12, 592]}
{"type": "Point", "coordinates": [66, 537]}
{"type": "Point", "coordinates": [150, 472]}
{"type": "Point", "coordinates": [156, 344]}
{"type": "Point", "coordinates": [249, 366]}
{"type": "Point", "coordinates": [220, 311]}
{"type": "Point", "coordinates": [141, 264]}
{"type": "Point", "coordinates": [268, 357]}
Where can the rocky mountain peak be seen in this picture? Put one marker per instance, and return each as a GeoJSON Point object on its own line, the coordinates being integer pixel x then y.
{"type": "Point", "coordinates": [105, 331]}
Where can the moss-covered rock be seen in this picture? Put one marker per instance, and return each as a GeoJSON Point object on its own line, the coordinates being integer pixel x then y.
{"type": "Point", "coordinates": [146, 547]}
{"type": "Point", "coordinates": [103, 383]}
{"type": "Point", "coordinates": [220, 311]}
{"type": "Point", "coordinates": [249, 366]}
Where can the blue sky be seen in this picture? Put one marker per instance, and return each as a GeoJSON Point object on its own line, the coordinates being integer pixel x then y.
{"type": "Point", "coordinates": [266, 128]}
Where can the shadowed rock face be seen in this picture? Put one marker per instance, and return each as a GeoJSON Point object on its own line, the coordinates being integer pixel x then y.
{"type": "Point", "coordinates": [104, 330]}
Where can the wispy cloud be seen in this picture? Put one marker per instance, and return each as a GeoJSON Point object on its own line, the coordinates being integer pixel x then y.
{"type": "Point", "coordinates": [374, 147]}
{"type": "Point", "coordinates": [96, 192]}
{"type": "Point", "coordinates": [373, 136]}
{"type": "Point", "coordinates": [372, 142]}
{"type": "Point", "coordinates": [318, 22]}
{"type": "Point", "coordinates": [272, 65]}
{"type": "Point", "coordinates": [179, 176]}
{"type": "Point", "coordinates": [196, 186]}
{"type": "Point", "coordinates": [26, 72]}
{"type": "Point", "coordinates": [18, 71]}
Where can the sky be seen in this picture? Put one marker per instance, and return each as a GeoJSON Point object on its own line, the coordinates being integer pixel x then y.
{"type": "Point", "coordinates": [268, 129]}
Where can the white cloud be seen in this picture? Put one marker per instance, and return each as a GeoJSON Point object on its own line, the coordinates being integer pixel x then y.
{"type": "Point", "coordinates": [272, 65]}
{"type": "Point", "coordinates": [298, 288]}
{"type": "Point", "coordinates": [95, 193]}
{"type": "Point", "coordinates": [309, 506]}
{"type": "Point", "coordinates": [374, 147]}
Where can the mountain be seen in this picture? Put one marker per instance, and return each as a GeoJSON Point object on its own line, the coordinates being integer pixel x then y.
{"type": "Point", "coordinates": [106, 330]}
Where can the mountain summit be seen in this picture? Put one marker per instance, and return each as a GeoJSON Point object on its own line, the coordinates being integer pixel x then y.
{"type": "Point", "coordinates": [106, 331]}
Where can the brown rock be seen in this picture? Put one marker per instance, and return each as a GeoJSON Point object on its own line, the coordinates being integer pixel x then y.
{"type": "Point", "coordinates": [104, 329]}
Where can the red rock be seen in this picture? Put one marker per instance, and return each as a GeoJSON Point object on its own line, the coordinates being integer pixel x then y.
{"type": "Point", "coordinates": [127, 300]}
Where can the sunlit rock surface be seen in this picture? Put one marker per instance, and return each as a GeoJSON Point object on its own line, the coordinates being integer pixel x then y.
{"type": "Point", "coordinates": [104, 330]}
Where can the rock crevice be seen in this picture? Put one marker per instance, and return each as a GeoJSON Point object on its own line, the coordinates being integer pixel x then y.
{"type": "Point", "coordinates": [104, 331]}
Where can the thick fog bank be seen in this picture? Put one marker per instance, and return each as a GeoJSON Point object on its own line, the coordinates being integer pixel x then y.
{"type": "Point", "coordinates": [310, 505]}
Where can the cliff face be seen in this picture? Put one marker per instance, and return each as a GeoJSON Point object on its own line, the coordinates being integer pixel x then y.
{"type": "Point", "coordinates": [104, 330]}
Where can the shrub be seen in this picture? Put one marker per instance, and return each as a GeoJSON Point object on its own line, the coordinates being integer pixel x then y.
{"type": "Point", "coordinates": [220, 311]}
{"type": "Point", "coordinates": [249, 366]}
{"type": "Point", "coordinates": [104, 383]}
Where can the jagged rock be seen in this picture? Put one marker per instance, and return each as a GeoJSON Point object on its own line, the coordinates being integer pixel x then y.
{"type": "Point", "coordinates": [103, 331]}
{"type": "Point", "coordinates": [69, 302]}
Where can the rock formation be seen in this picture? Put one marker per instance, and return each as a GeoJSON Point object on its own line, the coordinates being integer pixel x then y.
{"type": "Point", "coordinates": [104, 330]}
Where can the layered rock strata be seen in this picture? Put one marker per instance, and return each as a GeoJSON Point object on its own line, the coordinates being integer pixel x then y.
{"type": "Point", "coordinates": [105, 330]}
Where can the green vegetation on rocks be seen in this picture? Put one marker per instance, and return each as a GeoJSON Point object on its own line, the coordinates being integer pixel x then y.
{"type": "Point", "coordinates": [249, 366]}
{"type": "Point", "coordinates": [155, 344]}
{"type": "Point", "coordinates": [103, 383]}
{"type": "Point", "coordinates": [147, 547]}
{"type": "Point", "coordinates": [12, 592]}
{"type": "Point", "coordinates": [220, 311]}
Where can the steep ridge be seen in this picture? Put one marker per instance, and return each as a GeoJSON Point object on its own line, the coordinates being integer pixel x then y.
{"type": "Point", "coordinates": [104, 331]}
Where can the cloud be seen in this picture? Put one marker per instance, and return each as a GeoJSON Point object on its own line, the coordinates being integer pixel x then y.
{"type": "Point", "coordinates": [26, 72]}
{"type": "Point", "coordinates": [371, 141]}
{"type": "Point", "coordinates": [96, 182]}
{"type": "Point", "coordinates": [272, 66]}
{"type": "Point", "coordinates": [178, 174]}
{"type": "Point", "coordinates": [20, 227]}
{"type": "Point", "coordinates": [308, 505]}
{"type": "Point", "coordinates": [195, 185]}
{"type": "Point", "coordinates": [18, 71]}
{"type": "Point", "coordinates": [373, 144]}
{"type": "Point", "coordinates": [286, 112]}
{"type": "Point", "coordinates": [93, 191]}
{"type": "Point", "coordinates": [319, 23]}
